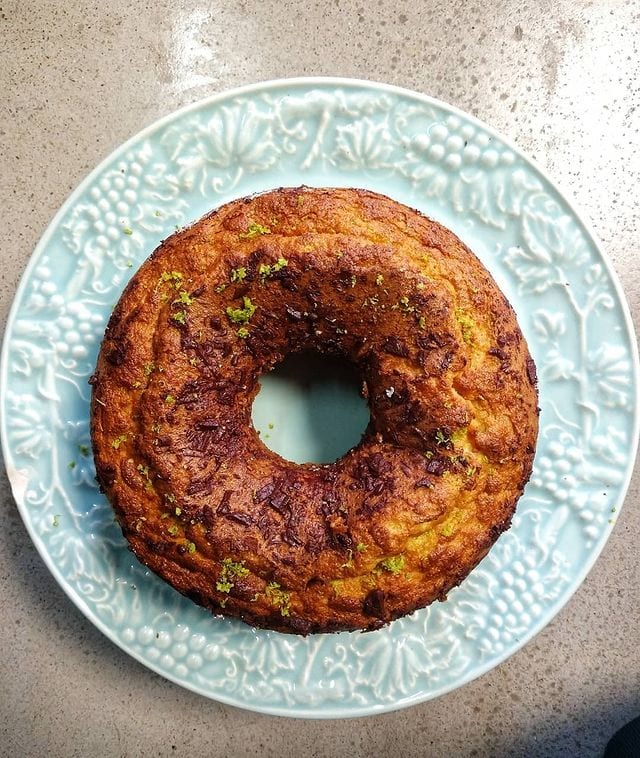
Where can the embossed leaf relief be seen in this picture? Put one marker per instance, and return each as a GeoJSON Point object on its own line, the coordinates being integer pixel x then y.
{"type": "Point", "coordinates": [568, 306]}
{"type": "Point", "coordinates": [610, 369]}
{"type": "Point", "coordinates": [442, 156]}
{"type": "Point", "coordinates": [213, 154]}
{"type": "Point", "coordinates": [30, 433]}
{"type": "Point", "coordinates": [552, 246]}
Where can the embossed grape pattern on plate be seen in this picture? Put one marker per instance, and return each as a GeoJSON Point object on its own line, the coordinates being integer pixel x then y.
{"type": "Point", "coordinates": [325, 132]}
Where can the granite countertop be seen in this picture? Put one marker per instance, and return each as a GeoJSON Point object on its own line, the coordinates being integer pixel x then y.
{"type": "Point", "coordinates": [560, 80]}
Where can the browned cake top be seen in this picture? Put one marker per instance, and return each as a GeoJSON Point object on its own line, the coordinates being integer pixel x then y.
{"type": "Point", "coordinates": [401, 518]}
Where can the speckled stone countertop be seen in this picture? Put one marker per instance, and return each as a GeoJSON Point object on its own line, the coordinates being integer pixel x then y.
{"type": "Point", "coordinates": [561, 80]}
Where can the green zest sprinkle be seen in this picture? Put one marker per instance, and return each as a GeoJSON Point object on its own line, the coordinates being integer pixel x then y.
{"type": "Point", "coordinates": [354, 279]}
{"type": "Point", "coordinates": [115, 444]}
{"type": "Point", "coordinates": [221, 288]}
{"type": "Point", "coordinates": [361, 547]}
{"type": "Point", "coordinates": [243, 332]}
{"type": "Point", "coordinates": [191, 547]}
{"type": "Point", "coordinates": [180, 317]}
{"type": "Point", "coordinates": [170, 400]}
{"type": "Point", "coordinates": [404, 305]}
{"type": "Point", "coordinates": [178, 510]}
{"type": "Point", "coordinates": [230, 570]}
{"type": "Point", "coordinates": [144, 470]}
{"type": "Point", "coordinates": [467, 325]}
{"type": "Point", "coordinates": [422, 322]}
{"type": "Point", "coordinates": [184, 298]}
{"type": "Point", "coordinates": [254, 230]}
{"type": "Point", "coordinates": [72, 464]}
{"type": "Point", "coordinates": [84, 450]}
{"type": "Point", "coordinates": [279, 598]}
{"type": "Point", "coordinates": [173, 529]}
{"type": "Point", "coordinates": [127, 230]}
{"type": "Point", "coordinates": [56, 520]}
{"type": "Point", "coordinates": [394, 565]}
{"type": "Point", "coordinates": [170, 497]}
{"type": "Point", "coordinates": [266, 270]}
{"type": "Point", "coordinates": [379, 279]}
{"type": "Point", "coordinates": [241, 315]}
{"type": "Point", "coordinates": [149, 368]}
{"type": "Point", "coordinates": [442, 439]}
{"type": "Point", "coordinates": [238, 274]}
{"type": "Point", "coordinates": [280, 264]}
{"type": "Point", "coordinates": [172, 276]}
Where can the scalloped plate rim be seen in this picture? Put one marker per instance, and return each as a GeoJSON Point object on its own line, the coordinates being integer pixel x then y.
{"type": "Point", "coordinates": [578, 578]}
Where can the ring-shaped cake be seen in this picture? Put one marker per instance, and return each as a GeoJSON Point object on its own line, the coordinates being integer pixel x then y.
{"type": "Point", "coordinates": [401, 518]}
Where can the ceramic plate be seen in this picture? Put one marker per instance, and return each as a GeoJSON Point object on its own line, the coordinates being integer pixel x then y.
{"type": "Point", "coordinates": [423, 153]}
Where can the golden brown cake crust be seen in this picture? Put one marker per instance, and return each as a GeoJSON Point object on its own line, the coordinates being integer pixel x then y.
{"type": "Point", "coordinates": [401, 518]}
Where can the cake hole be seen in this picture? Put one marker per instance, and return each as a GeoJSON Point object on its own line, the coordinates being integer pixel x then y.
{"type": "Point", "coordinates": [309, 408]}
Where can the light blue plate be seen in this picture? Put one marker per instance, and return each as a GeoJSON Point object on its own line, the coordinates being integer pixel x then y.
{"type": "Point", "coordinates": [324, 132]}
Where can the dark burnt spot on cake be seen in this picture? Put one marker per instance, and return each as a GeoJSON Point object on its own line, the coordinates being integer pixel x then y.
{"type": "Point", "coordinates": [532, 374]}
{"type": "Point", "coordinates": [446, 360]}
{"type": "Point", "coordinates": [105, 474]}
{"type": "Point", "coordinates": [498, 353]}
{"type": "Point", "coordinates": [370, 475]}
{"type": "Point", "coordinates": [438, 465]}
{"type": "Point", "coordinates": [223, 506]}
{"type": "Point", "coordinates": [240, 517]}
{"type": "Point", "coordinates": [117, 353]}
{"type": "Point", "coordinates": [226, 393]}
{"type": "Point", "coordinates": [280, 502]}
{"type": "Point", "coordinates": [287, 277]}
{"type": "Point", "coordinates": [395, 346]}
{"type": "Point", "coordinates": [411, 413]}
{"type": "Point", "coordinates": [202, 486]}
{"type": "Point", "coordinates": [265, 492]}
{"type": "Point", "coordinates": [344, 280]}
{"type": "Point", "coordinates": [201, 440]}
{"type": "Point", "coordinates": [293, 314]}
{"type": "Point", "coordinates": [374, 604]}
